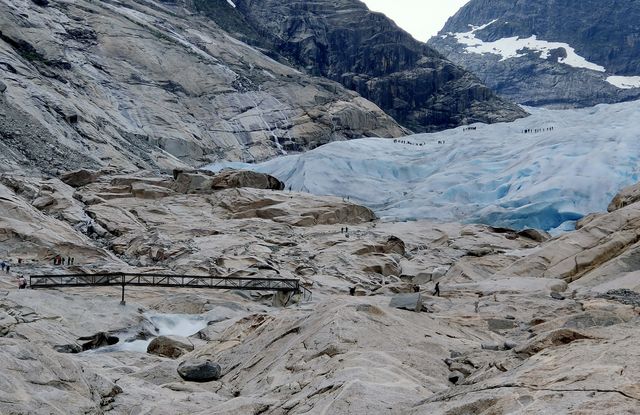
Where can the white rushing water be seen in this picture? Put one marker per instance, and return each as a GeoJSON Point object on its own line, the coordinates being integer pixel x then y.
{"type": "Point", "coordinates": [183, 325]}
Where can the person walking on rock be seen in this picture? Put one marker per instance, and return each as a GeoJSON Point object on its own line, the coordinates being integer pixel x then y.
{"type": "Point", "coordinates": [437, 290]}
{"type": "Point", "coordinates": [3, 265]}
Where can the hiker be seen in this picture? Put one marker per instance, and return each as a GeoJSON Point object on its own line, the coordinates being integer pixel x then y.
{"type": "Point", "coordinates": [68, 260]}
{"type": "Point", "coordinates": [22, 282]}
{"type": "Point", "coordinates": [8, 268]}
{"type": "Point", "coordinates": [3, 265]}
{"type": "Point", "coordinates": [73, 260]}
{"type": "Point", "coordinates": [437, 290]}
{"type": "Point", "coordinates": [352, 291]}
{"type": "Point", "coordinates": [346, 230]}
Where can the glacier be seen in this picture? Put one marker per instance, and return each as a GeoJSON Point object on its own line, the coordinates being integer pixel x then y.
{"type": "Point", "coordinates": [571, 163]}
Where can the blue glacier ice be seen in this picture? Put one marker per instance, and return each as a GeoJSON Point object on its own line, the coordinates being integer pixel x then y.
{"type": "Point", "coordinates": [496, 174]}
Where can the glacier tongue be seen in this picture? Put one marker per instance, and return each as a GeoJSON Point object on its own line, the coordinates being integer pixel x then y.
{"type": "Point", "coordinates": [496, 174]}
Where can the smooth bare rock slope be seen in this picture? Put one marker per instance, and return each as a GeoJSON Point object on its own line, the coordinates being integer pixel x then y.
{"type": "Point", "coordinates": [149, 84]}
{"type": "Point", "coordinates": [522, 325]}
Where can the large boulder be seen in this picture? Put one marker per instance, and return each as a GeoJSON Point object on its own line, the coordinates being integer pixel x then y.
{"type": "Point", "coordinates": [170, 346]}
{"type": "Point", "coordinates": [192, 182]}
{"type": "Point", "coordinates": [244, 178]}
{"type": "Point", "coordinates": [79, 178]}
{"type": "Point", "coordinates": [207, 182]}
{"type": "Point", "coordinates": [411, 302]}
{"type": "Point", "coordinates": [625, 197]}
{"type": "Point", "coordinates": [199, 370]}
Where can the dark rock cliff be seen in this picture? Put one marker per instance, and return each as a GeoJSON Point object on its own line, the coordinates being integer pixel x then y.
{"type": "Point", "coordinates": [604, 33]}
{"type": "Point", "coordinates": [366, 52]}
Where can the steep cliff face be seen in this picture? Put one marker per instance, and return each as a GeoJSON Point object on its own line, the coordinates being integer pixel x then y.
{"type": "Point", "coordinates": [139, 84]}
{"type": "Point", "coordinates": [555, 53]}
{"type": "Point", "coordinates": [366, 52]}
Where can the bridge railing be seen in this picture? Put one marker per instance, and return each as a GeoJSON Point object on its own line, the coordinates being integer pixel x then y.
{"type": "Point", "coordinates": [166, 280]}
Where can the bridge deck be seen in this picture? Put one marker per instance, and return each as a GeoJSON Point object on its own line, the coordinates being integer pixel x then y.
{"type": "Point", "coordinates": [163, 280]}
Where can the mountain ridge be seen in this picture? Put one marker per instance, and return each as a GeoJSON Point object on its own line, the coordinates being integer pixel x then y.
{"type": "Point", "coordinates": [544, 36]}
{"type": "Point", "coordinates": [367, 52]}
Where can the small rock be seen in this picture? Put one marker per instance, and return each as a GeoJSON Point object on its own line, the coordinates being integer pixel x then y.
{"type": "Point", "coordinates": [557, 296]}
{"type": "Point", "coordinates": [43, 201]}
{"type": "Point", "coordinates": [510, 344]}
{"type": "Point", "coordinates": [369, 308]}
{"type": "Point", "coordinates": [456, 377]}
{"type": "Point", "coordinates": [491, 346]}
{"type": "Point", "coordinates": [3, 87]}
{"type": "Point", "coordinates": [411, 302]}
{"type": "Point", "coordinates": [199, 370]}
{"type": "Point", "coordinates": [498, 324]}
{"type": "Point", "coordinates": [68, 348]}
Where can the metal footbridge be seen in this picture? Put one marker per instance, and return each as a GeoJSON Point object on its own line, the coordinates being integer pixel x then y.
{"type": "Point", "coordinates": [278, 285]}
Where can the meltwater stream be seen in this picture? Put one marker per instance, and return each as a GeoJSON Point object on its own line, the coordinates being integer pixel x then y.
{"type": "Point", "coordinates": [183, 325]}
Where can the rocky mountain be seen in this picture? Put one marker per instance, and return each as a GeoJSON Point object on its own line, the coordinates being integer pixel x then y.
{"type": "Point", "coordinates": [552, 53]}
{"type": "Point", "coordinates": [366, 52]}
{"type": "Point", "coordinates": [138, 84]}
{"type": "Point", "coordinates": [164, 84]}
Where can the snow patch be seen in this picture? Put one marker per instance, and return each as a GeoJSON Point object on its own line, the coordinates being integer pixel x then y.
{"type": "Point", "coordinates": [624, 82]}
{"type": "Point", "coordinates": [515, 47]}
{"type": "Point", "coordinates": [496, 174]}
{"type": "Point", "coordinates": [232, 4]}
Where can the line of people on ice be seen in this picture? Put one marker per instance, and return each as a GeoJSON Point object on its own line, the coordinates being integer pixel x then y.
{"type": "Point", "coordinates": [410, 143]}
{"type": "Point", "coordinates": [536, 130]}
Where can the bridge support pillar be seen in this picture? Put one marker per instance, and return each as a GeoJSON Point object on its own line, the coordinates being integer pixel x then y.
{"type": "Point", "coordinates": [122, 302]}
{"type": "Point", "coordinates": [283, 298]}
